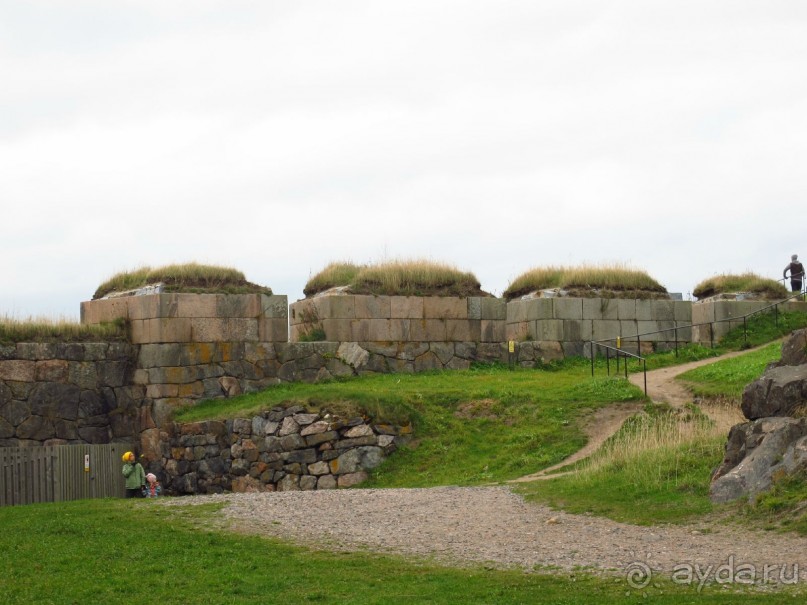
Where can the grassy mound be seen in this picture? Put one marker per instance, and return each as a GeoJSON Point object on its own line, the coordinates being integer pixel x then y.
{"type": "Point", "coordinates": [605, 281]}
{"type": "Point", "coordinates": [188, 277]}
{"type": "Point", "coordinates": [397, 278]}
{"type": "Point", "coordinates": [745, 282]}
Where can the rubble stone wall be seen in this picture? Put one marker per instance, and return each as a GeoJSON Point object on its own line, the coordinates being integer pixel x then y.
{"type": "Point", "coordinates": [282, 449]}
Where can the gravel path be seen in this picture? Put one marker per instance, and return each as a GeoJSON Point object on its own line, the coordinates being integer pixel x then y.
{"type": "Point", "coordinates": [494, 526]}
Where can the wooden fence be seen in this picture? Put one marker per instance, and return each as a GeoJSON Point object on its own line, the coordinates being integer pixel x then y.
{"type": "Point", "coordinates": [62, 472]}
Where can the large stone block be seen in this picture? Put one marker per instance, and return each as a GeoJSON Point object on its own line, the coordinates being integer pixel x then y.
{"type": "Point", "coordinates": [18, 370]}
{"type": "Point", "coordinates": [662, 310]}
{"type": "Point", "coordinates": [337, 330]}
{"type": "Point", "coordinates": [625, 308]}
{"type": "Point", "coordinates": [406, 307]}
{"type": "Point", "coordinates": [549, 329]}
{"type": "Point", "coordinates": [238, 305]}
{"type": "Point", "coordinates": [682, 310]}
{"type": "Point", "coordinates": [492, 330]}
{"type": "Point", "coordinates": [341, 307]}
{"type": "Point", "coordinates": [567, 308]}
{"type": "Point", "coordinates": [703, 312]}
{"type": "Point", "coordinates": [445, 307]}
{"type": "Point", "coordinates": [209, 329]}
{"type": "Point", "coordinates": [607, 330]}
{"type": "Point", "coordinates": [143, 307]}
{"type": "Point", "coordinates": [463, 330]}
{"type": "Point", "coordinates": [427, 330]}
{"type": "Point", "coordinates": [359, 330]}
{"type": "Point", "coordinates": [490, 308]}
{"type": "Point", "coordinates": [516, 311]}
{"type": "Point", "coordinates": [520, 331]}
{"type": "Point", "coordinates": [372, 307]}
{"type": "Point", "coordinates": [275, 306]}
{"type": "Point", "coordinates": [158, 355]}
{"type": "Point", "coordinates": [378, 329]}
{"type": "Point", "coordinates": [173, 329]}
{"type": "Point", "coordinates": [100, 311]}
{"type": "Point", "coordinates": [197, 305]}
{"type": "Point", "coordinates": [577, 330]}
{"type": "Point", "coordinates": [644, 310]}
{"type": "Point", "coordinates": [599, 308]}
{"type": "Point", "coordinates": [649, 330]}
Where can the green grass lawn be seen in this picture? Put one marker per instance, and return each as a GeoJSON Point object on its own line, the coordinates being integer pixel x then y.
{"type": "Point", "coordinates": [123, 552]}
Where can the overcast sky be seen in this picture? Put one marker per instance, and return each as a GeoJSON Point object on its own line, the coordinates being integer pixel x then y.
{"type": "Point", "coordinates": [277, 137]}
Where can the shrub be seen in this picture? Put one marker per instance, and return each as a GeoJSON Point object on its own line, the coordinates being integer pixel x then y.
{"type": "Point", "coordinates": [401, 278]}
{"type": "Point", "coordinates": [188, 277]}
{"type": "Point", "coordinates": [605, 281]}
{"type": "Point", "coordinates": [745, 282]}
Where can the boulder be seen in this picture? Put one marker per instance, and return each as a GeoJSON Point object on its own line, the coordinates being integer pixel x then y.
{"type": "Point", "coordinates": [794, 349]}
{"type": "Point", "coordinates": [781, 391]}
{"type": "Point", "coordinates": [756, 453]}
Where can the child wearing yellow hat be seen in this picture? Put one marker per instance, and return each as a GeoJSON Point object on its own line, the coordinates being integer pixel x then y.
{"type": "Point", "coordinates": [135, 476]}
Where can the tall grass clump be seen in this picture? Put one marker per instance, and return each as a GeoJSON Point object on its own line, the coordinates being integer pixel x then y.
{"type": "Point", "coordinates": [398, 278]}
{"type": "Point", "coordinates": [607, 280]}
{"type": "Point", "coordinates": [334, 275]}
{"type": "Point", "coordinates": [744, 282]}
{"type": "Point", "coordinates": [42, 329]}
{"type": "Point", "coordinates": [656, 468]}
{"type": "Point", "coordinates": [187, 277]}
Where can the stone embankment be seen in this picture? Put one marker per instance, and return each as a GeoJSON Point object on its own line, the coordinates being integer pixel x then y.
{"type": "Point", "coordinates": [280, 450]}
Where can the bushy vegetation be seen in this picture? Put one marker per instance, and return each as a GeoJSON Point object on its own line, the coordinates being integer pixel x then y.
{"type": "Point", "coordinates": [745, 282]}
{"type": "Point", "coordinates": [606, 281]}
{"type": "Point", "coordinates": [58, 330]}
{"type": "Point", "coordinates": [188, 277]}
{"type": "Point", "coordinates": [397, 278]}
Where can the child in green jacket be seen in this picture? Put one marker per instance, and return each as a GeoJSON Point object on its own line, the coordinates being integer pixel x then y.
{"type": "Point", "coordinates": [135, 476]}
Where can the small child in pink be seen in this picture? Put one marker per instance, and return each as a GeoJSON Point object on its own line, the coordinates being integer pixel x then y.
{"type": "Point", "coordinates": [152, 488]}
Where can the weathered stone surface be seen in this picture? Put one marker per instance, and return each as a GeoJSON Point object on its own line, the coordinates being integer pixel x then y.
{"type": "Point", "coordinates": [18, 370]}
{"type": "Point", "coordinates": [305, 419]}
{"type": "Point", "coordinates": [308, 483]}
{"type": "Point", "coordinates": [326, 482]}
{"type": "Point", "coordinates": [794, 349]}
{"type": "Point", "coordinates": [320, 426]}
{"type": "Point", "coordinates": [289, 483]}
{"type": "Point", "coordinates": [15, 411]}
{"type": "Point", "coordinates": [292, 442]}
{"type": "Point", "coordinates": [51, 370]}
{"type": "Point", "coordinates": [353, 355]}
{"type": "Point", "coordinates": [755, 453]}
{"type": "Point", "coordinates": [781, 391]}
{"type": "Point", "coordinates": [351, 479]}
{"type": "Point", "coordinates": [362, 430]}
{"type": "Point", "coordinates": [288, 427]}
{"type": "Point", "coordinates": [150, 444]}
{"type": "Point", "coordinates": [319, 468]}
{"type": "Point", "coordinates": [357, 459]}
{"type": "Point", "coordinates": [7, 429]}
{"type": "Point", "coordinates": [55, 400]}
{"type": "Point", "coordinates": [36, 428]}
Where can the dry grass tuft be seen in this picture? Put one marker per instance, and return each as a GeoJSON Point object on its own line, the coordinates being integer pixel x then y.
{"type": "Point", "coordinates": [42, 329]}
{"type": "Point", "coordinates": [187, 277]}
{"type": "Point", "coordinates": [614, 280]}
{"type": "Point", "coordinates": [745, 282]}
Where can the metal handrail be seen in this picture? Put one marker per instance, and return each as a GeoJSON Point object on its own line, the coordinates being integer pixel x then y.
{"type": "Point", "coordinates": [626, 354]}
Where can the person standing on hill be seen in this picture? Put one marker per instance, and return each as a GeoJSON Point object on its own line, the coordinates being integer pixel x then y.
{"type": "Point", "coordinates": [135, 476]}
{"type": "Point", "coordinates": [796, 273]}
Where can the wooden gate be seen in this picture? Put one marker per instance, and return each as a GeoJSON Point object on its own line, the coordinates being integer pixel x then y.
{"type": "Point", "coordinates": [62, 472]}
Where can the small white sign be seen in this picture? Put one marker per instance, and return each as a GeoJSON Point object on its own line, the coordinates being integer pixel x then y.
{"type": "Point", "coordinates": [86, 463]}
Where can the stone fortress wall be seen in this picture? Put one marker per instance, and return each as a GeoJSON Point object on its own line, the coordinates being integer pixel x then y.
{"type": "Point", "coordinates": [188, 347]}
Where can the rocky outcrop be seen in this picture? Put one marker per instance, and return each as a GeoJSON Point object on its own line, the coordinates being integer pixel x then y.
{"type": "Point", "coordinates": [781, 391]}
{"type": "Point", "coordinates": [774, 444]}
{"type": "Point", "coordinates": [757, 453]}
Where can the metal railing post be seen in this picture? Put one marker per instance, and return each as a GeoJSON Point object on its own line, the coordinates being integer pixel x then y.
{"type": "Point", "coordinates": [745, 331]}
{"type": "Point", "coordinates": [591, 347]}
{"type": "Point", "coordinates": [608, 360]}
{"type": "Point", "coordinates": [644, 363]}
